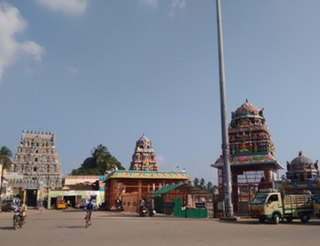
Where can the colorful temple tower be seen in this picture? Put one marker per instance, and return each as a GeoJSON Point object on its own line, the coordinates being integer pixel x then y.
{"type": "Point", "coordinates": [143, 158]}
{"type": "Point", "coordinates": [37, 162]}
{"type": "Point", "coordinates": [252, 160]}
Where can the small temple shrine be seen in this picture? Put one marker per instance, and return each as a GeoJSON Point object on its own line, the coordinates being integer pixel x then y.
{"type": "Point", "coordinates": [252, 156]}
{"type": "Point", "coordinates": [302, 175]}
{"type": "Point", "coordinates": [127, 187]}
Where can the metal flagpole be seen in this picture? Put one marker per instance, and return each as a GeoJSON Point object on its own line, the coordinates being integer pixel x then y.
{"type": "Point", "coordinates": [224, 130]}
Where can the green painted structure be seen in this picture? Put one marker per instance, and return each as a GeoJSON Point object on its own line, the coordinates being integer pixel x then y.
{"type": "Point", "coordinates": [181, 200]}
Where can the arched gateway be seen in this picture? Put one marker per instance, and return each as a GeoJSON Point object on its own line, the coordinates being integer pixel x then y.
{"type": "Point", "coordinates": [252, 156]}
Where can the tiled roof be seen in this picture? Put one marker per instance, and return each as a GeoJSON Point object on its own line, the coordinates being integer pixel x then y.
{"type": "Point", "coordinates": [256, 159]}
{"type": "Point", "coordinates": [132, 174]}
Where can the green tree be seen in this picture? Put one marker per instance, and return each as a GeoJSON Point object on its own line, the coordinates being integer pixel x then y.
{"type": "Point", "coordinates": [100, 161]}
{"type": "Point", "coordinates": [105, 161]}
{"type": "Point", "coordinates": [196, 182]}
{"type": "Point", "coordinates": [203, 184]}
{"type": "Point", "coordinates": [210, 187]}
{"type": "Point", "coordinates": [5, 161]}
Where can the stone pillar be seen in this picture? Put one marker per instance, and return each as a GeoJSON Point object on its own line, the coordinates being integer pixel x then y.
{"type": "Point", "coordinates": [235, 194]}
{"type": "Point", "coordinates": [24, 198]}
{"type": "Point", "coordinates": [140, 189]}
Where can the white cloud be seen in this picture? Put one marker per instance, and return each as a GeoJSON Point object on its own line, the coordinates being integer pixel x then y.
{"type": "Point", "coordinates": [32, 48]}
{"type": "Point", "coordinates": [11, 23]}
{"type": "Point", "coordinates": [176, 5]}
{"type": "Point", "coordinates": [172, 5]}
{"type": "Point", "coordinates": [72, 7]}
{"type": "Point", "coordinates": [151, 3]}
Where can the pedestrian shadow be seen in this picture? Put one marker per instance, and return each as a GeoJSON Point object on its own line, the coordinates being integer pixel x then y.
{"type": "Point", "coordinates": [71, 210]}
{"type": "Point", "coordinates": [71, 227]}
{"type": "Point", "coordinates": [6, 228]}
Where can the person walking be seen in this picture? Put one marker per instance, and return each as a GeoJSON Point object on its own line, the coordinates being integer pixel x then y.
{"type": "Point", "coordinates": [89, 208]}
{"type": "Point", "coordinates": [40, 207]}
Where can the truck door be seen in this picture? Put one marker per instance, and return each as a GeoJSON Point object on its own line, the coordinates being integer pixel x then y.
{"type": "Point", "coordinates": [273, 204]}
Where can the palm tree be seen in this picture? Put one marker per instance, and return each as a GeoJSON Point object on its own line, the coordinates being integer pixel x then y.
{"type": "Point", "coordinates": [100, 153]}
{"type": "Point", "coordinates": [104, 159]}
{"type": "Point", "coordinates": [5, 161]}
{"type": "Point", "coordinates": [99, 161]}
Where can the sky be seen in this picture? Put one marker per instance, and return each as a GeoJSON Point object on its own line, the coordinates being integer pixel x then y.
{"type": "Point", "coordinates": [107, 71]}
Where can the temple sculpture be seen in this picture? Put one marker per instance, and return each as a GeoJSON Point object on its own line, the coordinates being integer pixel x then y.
{"type": "Point", "coordinates": [252, 156]}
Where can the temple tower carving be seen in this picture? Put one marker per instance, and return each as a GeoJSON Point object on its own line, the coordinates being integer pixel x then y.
{"type": "Point", "coordinates": [37, 161]}
{"type": "Point", "coordinates": [143, 158]}
{"type": "Point", "coordinates": [252, 156]}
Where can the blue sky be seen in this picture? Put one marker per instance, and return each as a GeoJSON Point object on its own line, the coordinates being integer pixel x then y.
{"type": "Point", "coordinates": [107, 71]}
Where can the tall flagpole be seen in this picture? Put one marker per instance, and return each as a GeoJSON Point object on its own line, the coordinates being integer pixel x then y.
{"type": "Point", "coordinates": [223, 108]}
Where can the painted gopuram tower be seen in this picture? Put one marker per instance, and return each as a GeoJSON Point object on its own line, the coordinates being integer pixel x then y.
{"type": "Point", "coordinates": [252, 156]}
{"type": "Point", "coordinates": [143, 158]}
{"type": "Point", "coordinates": [37, 162]}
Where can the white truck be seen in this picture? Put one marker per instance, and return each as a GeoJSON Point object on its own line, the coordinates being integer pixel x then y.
{"type": "Point", "coordinates": [274, 206]}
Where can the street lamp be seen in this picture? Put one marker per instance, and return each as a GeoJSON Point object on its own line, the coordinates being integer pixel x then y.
{"type": "Point", "coordinates": [224, 130]}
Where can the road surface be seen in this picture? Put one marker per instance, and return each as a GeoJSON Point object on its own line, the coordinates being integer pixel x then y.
{"type": "Point", "coordinates": [62, 228]}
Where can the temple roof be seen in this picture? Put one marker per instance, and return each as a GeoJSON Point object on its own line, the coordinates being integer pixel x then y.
{"type": "Point", "coordinates": [301, 162]}
{"type": "Point", "coordinates": [247, 110]}
{"type": "Point", "coordinates": [250, 160]}
{"type": "Point", "coordinates": [133, 174]}
{"type": "Point", "coordinates": [301, 159]}
{"type": "Point", "coordinates": [144, 142]}
{"type": "Point", "coordinates": [189, 189]}
{"type": "Point", "coordinates": [143, 138]}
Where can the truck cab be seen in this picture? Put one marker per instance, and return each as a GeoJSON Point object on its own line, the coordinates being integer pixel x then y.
{"type": "Point", "coordinates": [267, 206]}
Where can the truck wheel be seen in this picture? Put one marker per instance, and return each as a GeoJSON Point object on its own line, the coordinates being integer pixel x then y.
{"type": "Point", "coordinates": [276, 219]}
{"type": "Point", "coordinates": [305, 218]}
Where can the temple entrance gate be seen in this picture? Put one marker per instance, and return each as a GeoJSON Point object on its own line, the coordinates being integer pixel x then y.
{"type": "Point", "coordinates": [31, 198]}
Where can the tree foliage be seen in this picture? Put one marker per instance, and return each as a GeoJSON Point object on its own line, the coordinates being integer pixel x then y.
{"type": "Point", "coordinates": [196, 182]}
{"type": "Point", "coordinates": [201, 184]}
{"type": "Point", "coordinates": [5, 161]}
{"type": "Point", "coordinates": [100, 161]}
{"type": "Point", "coordinates": [5, 157]}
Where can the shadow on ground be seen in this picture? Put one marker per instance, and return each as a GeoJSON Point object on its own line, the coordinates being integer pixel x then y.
{"type": "Point", "coordinates": [6, 228]}
{"type": "Point", "coordinates": [256, 222]}
{"type": "Point", "coordinates": [71, 227]}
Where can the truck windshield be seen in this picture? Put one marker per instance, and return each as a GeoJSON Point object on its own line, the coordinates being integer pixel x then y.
{"type": "Point", "coordinates": [260, 198]}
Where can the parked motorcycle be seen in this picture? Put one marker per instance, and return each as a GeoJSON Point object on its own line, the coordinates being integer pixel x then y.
{"type": "Point", "coordinates": [143, 211]}
{"type": "Point", "coordinates": [151, 212]}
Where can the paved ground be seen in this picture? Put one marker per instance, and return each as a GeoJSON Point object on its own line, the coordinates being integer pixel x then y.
{"type": "Point", "coordinates": [58, 228]}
